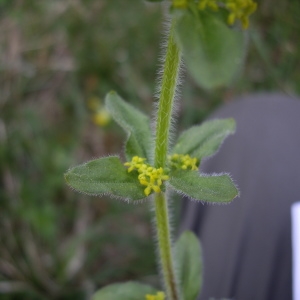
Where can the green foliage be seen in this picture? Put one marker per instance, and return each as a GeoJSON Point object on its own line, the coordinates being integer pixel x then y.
{"type": "Point", "coordinates": [212, 52]}
{"type": "Point", "coordinates": [135, 123]}
{"type": "Point", "coordinates": [108, 176]}
{"type": "Point", "coordinates": [103, 176]}
{"type": "Point", "coordinates": [122, 63]}
{"type": "Point", "coordinates": [188, 256]}
{"type": "Point", "coordinates": [216, 188]}
{"type": "Point", "coordinates": [55, 55]}
{"type": "Point", "coordinates": [124, 291]}
{"type": "Point", "coordinates": [205, 139]}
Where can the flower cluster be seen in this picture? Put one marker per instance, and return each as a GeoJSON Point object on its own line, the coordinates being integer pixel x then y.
{"type": "Point", "coordinates": [148, 176]}
{"type": "Point", "coordinates": [184, 162]}
{"type": "Point", "coordinates": [135, 164]}
{"type": "Point", "coordinates": [238, 9]}
{"type": "Point", "coordinates": [152, 177]}
{"type": "Point", "coordinates": [158, 296]}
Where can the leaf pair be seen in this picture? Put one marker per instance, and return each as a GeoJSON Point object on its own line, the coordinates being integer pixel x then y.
{"type": "Point", "coordinates": [189, 265]}
{"type": "Point", "coordinates": [202, 141]}
{"type": "Point", "coordinates": [108, 176]}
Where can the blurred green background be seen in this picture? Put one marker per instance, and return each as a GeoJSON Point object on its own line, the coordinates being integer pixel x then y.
{"type": "Point", "coordinates": [57, 59]}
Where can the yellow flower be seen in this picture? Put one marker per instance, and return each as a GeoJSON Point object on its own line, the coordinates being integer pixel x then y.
{"type": "Point", "coordinates": [158, 296]}
{"type": "Point", "coordinates": [240, 9]}
{"type": "Point", "coordinates": [152, 178]}
{"type": "Point", "coordinates": [148, 176]}
{"type": "Point", "coordinates": [101, 117]}
{"type": "Point", "coordinates": [136, 163]}
{"type": "Point", "coordinates": [181, 161]}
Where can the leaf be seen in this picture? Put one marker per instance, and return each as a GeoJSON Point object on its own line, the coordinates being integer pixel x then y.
{"type": "Point", "coordinates": [205, 139]}
{"type": "Point", "coordinates": [212, 51]}
{"type": "Point", "coordinates": [135, 123]}
{"type": "Point", "coordinates": [105, 175]}
{"type": "Point", "coordinates": [124, 291]}
{"type": "Point", "coordinates": [189, 262]}
{"type": "Point", "coordinates": [215, 188]}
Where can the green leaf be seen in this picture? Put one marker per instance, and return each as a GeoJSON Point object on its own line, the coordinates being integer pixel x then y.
{"type": "Point", "coordinates": [135, 123]}
{"type": "Point", "coordinates": [215, 188]}
{"type": "Point", "coordinates": [124, 291]}
{"type": "Point", "coordinates": [205, 139]}
{"type": "Point", "coordinates": [154, 0]}
{"type": "Point", "coordinates": [212, 51]}
{"type": "Point", "coordinates": [105, 175]}
{"type": "Point", "coordinates": [189, 262]}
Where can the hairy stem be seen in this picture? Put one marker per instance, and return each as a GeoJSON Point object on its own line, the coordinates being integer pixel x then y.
{"type": "Point", "coordinates": [166, 100]}
{"type": "Point", "coordinates": [168, 90]}
{"type": "Point", "coordinates": [165, 247]}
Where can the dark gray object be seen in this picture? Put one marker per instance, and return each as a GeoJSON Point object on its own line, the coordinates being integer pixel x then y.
{"type": "Point", "coordinates": [247, 244]}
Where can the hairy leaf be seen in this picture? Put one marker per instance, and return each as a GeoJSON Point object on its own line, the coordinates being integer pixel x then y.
{"type": "Point", "coordinates": [189, 262]}
{"type": "Point", "coordinates": [105, 175]}
{"type": "Point", "coordinates": [124, 291]}
{"type": "Point", "coordinates": [205, 139]}
{"type": "Point", "coordinates": [212, 51]}
{"type": "Point", "coordinates": [215, 188]}
{"type": "Point", "coordinates": [135, 123]}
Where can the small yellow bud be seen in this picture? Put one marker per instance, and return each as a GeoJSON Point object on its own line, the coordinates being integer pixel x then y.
{"type": "Point", "coordinates": [147, 191]}
{"type": "Point", "coordinates": [144, 182]}
{"type": "Point", "coordinates": [135, 164]}
{"type": "Point", "coordinates": [184, 162]}
{"type": "Point", "coordinates": [101, 117]}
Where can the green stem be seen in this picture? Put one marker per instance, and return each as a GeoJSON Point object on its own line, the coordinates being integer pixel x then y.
{"type": "Point", "coordinates": [168, 90]}
{"type": "Point", "coordinates": [167, 93]}
{"type": "Point", "coordinates": [165, 247]}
